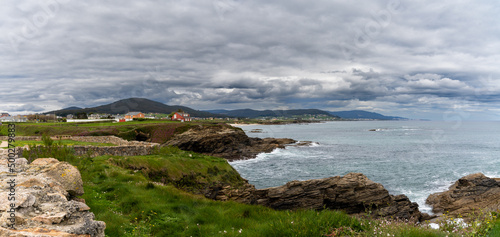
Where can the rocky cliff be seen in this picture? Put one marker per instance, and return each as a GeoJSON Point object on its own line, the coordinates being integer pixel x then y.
{"type": "Point", "coordinates": [353, 193]}
{"type": "Point", "coordinates": [470, 193]}
{"type": "Point", "coordinates": [225, 141]}
{"type": "Point", "coordinates": [46, 202]}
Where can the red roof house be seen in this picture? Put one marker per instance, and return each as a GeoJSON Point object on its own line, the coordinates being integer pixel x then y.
{"type": "Point", "coordinates": [133, 115]}
{"type": "Point", "coordinates": [181, 116]}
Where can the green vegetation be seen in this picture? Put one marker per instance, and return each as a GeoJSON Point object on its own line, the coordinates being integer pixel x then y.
{"type": "Point", "coordinates": [495, 231]}
{"type": "Point", "coordinates": [480, 224]}
{"type": "Point", "coordinates": [156, 130]}
{"type": "Point", "coordinates": [62, 142]}
{"type": "Point", "coordinates": [138, 196]}
{"type": "Point", "coordinates": [185, 170]}
{"type": "Point", "coordinates": [132, 205]}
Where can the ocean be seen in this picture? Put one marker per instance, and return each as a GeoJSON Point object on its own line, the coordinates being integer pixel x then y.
{"type": "Point", "coordinates": [415, 158]}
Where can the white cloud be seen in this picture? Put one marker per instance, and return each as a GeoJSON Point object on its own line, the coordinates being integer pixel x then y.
{"type": "Point", "coordinates": [258, 54]}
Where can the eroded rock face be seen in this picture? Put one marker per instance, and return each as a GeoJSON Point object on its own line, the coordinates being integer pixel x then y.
{"type": "Point", "coordinates": [45, 202]}
{"type": "Point", "coordinates": [353, 193]}
{"type": "Point", "coordinates": [470, 193]}
{"type": "Point", "coordinates": [226, 142]}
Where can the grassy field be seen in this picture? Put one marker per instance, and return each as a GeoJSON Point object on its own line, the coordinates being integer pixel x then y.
{"type": "Point", "coordinates": [138, 196]}
{"type": "Point", "coordinates": [147, 196]}
{"type": "Point", "coordinates": [158, 131]}
{"type": "Point", "coordinates": [63, 142]}
{"type": "Point", "coordinates": [132, 205]}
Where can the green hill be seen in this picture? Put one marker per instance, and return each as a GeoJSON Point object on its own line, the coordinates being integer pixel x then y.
{"type": "Point", "coordinates": [250, 113]}
{"type": "Point", "coordinates": [134, 104]}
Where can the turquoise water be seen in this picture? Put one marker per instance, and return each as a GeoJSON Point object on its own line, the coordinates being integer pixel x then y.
{"type": "Point", "coordinates": [415, 158]}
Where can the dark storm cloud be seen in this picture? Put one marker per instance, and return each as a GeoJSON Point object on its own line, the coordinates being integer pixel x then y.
{"type": "Point", "coordinates": [387, 56]}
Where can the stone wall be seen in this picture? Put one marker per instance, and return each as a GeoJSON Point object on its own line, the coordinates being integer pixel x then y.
{"type": "Point", "coordinates": [99, 139]}
{"type": "Point", "coordinates": [123, 148]}
{"type": "Point", "coordinates": [114, 150]}
{"type": "Point", "coordinates": [111, 139]}
{"type": "Point", "coordinates": [22, 138]}
{"type": "Point", "coordinates": [99, 151]}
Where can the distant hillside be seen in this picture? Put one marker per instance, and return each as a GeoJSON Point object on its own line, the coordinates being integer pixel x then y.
{"type": "Point", "coordinates": [72, 108]}
{"type": "Point", "coordinates": [250, 113]}
{"type": "Point", "coordinates": [134, 104]}
{"type": "Point", "coordinates": [361, 114]}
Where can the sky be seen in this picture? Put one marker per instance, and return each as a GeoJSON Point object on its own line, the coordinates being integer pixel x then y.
{"type": "Point", "coordinates": [434, 60]}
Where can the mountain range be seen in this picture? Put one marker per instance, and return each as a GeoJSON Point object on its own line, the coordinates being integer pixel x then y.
{"type": "Point", "coordinates": [352, 114]}
{"type": "Point", "coordinates": [361, 114]}
{"type": "Point", "coordinates": [250, 113]}
{"type": "Point", "coordinates": [134, 104]}
{"type": "Point", "coordinates": [149, 106]}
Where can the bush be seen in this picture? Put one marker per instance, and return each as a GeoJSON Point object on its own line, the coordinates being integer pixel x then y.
{"type": "Point", "coordinates": [49, 149]}
{"type": "Point", "coordinates": [141, 119]}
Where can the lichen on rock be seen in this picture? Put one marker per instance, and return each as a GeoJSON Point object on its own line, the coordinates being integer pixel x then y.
{"type": "Point", "coordinates": [45, 201]}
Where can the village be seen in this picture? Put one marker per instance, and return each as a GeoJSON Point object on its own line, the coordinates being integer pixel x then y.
{"type": "Point", "coordinates": [97, 117]}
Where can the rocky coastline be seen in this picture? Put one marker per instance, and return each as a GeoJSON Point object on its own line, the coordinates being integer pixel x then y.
{"type": "Point", "coordinates": [49, 206]}
{"type": "Point", "coordinates": [354, 193]}
{"type": "Point", "coordinates": [470, 194]}
{"type": "Point", "coordinates": [225, 141]}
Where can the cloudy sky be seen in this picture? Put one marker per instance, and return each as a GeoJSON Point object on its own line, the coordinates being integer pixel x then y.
{"type": "Point", "coordinates": [426, 59]}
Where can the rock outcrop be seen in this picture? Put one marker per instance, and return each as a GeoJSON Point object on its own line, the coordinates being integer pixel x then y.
{"type": "Point", "coordinates": [45, 201]}
{"type": "Point", "coordinates": [470, 193]}
{"type": "Point", "coordinates": [353, 193]}
{"type": "Point", "coordinates": [226, 142]}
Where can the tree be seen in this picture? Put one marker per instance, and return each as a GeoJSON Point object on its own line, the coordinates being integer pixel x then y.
{"type": "Point", "coordinates": [81, 115]}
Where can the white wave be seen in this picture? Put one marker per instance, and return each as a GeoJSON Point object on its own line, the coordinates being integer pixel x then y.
{"type": "Point", "coordinates": [492, 174]}
{"type": "Point", "coordinates": [259, 158]}
{"type": "Point", "coordinates": [314, 144]}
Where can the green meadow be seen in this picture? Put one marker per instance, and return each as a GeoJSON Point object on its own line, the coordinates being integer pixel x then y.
{"type": "Point", "coordinates": [160, 195]}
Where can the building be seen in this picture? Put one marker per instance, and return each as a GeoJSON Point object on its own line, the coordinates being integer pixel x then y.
{"type": "Point", "coordinates": [18, 119]}
{"type": "Point", "coordinates": [94, 116]}
{"type": "Point", "coordinates": [120, 119]}
{"type": "Point", "coordinates": [181, 116]}
{"type": "Point", "coordinates": [133, 115]}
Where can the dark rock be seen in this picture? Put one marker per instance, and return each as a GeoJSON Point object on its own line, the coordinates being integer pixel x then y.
{"type": "Point", "coordinates": [354, 193]}
{"type": "Point", "coordinates": [470, 193]}
{"type": "Point", "coordinates": [225, 141]}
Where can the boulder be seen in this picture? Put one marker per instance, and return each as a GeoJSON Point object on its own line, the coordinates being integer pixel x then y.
{"type": "Point", "coordinates": [470, 193]}
{"type": "Point", "coordinates": [45, 203]}
{"type": "Point", "coordinates": [353, 193]}
{"type": "Point", "coordinates": [225, 141]}
{"type": "Point", "coordinates": [67, 176]}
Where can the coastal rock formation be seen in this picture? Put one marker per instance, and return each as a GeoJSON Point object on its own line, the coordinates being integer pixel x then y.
{"type": "Point", "coordinates": [225, 141]}
{"type": "Point", "coordinates": [470, 193]}
{"type": "Point", "coordinates": [45, 201]}
{"type": "Point", "coordinates": [353, 193]}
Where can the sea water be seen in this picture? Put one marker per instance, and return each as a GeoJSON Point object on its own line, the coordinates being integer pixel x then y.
{"type": "Point", "coordinates": [415, 158]}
